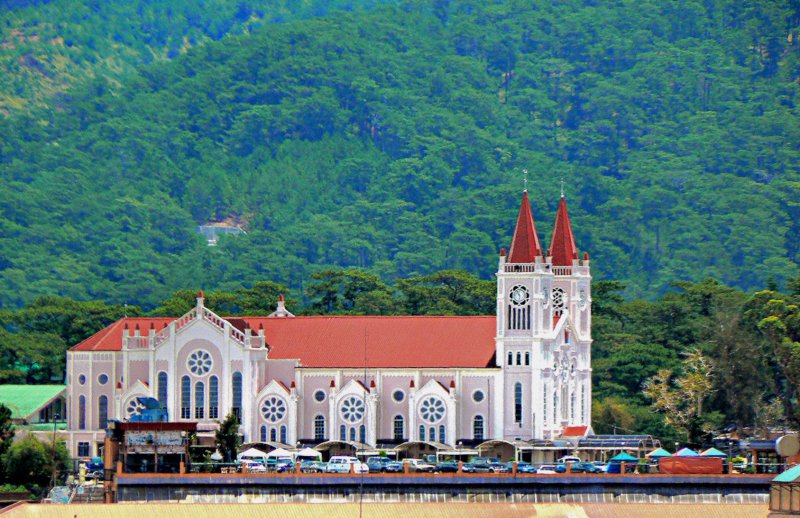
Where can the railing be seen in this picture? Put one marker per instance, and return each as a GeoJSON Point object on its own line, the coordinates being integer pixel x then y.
{"type": "Point", "coordinates": [185, 320]}
{"type": "Point", "coordinates": [138, 342]}
{"type": "Point", "coordinates": [562, 270]}
{"type": "Point", "coordinates": [519, 268]}
{"type": "Point", "coordinates": [220, 323]}
{"type": "Point", "coordinates": [161, 337]}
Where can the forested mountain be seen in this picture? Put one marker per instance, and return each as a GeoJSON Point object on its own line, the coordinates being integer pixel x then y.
{"type": "Point", "coordinates": [393, 139]}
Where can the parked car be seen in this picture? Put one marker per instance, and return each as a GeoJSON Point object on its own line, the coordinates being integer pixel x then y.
{"type": "Point", "coordinates": [568, 458]}
{"type": "Point", "coordinates": [251, 466]}
{"type": "Point", "coordinates": [499, 467]}
{"type": "Point", "coordinates": [546, 469]}
{"type": "Point", "coordinates": [524, 467]}
{"type": "Point", "coordinates": [284, 466]}
{"type": "Point", "coordinates": [577, 467]}
{"type": "Point", "coordinates": [384, 465]}
{"type": "Point", "coordinates": [419, 466]}
{"type": "Point", "coordinates": [447, 466]}
{"type": "Point", "coordinates": [477, 465]}
{"type": "Point", "coordinates": [602, 467]}
{"type": "Point", "coordinates": [312, 466]}
{"type": "Point", "coordinates": [342, 463]}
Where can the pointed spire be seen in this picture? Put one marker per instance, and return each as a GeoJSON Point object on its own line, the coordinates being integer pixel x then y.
{"type": "Point", "coordinates": [562, 243]}
{"type": "Point", "coordinates": [525, 246]}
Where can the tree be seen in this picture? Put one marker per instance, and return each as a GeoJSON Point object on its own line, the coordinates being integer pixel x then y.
{"type": "Point", "coordinates": [6, 430]}
{"type": "Point", "coordinates": [343, 291]}
{"type": "Point", "coordinates": [681, 398]}
{"type": "Point", "coordinates": [448, 292]}
{"type": "Point", "coordinates": [30, 461]}
{"type": "Point", "coordinates": [227, 437]}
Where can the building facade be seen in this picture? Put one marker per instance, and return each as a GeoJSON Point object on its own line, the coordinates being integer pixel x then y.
{"type": "Point", "coordinates": [522, 374]}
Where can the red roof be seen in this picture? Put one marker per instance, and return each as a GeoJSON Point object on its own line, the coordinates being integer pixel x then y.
{"type": "Point", "coordinates": [110, 338]}
{"type": "Point", "coordinates": [562, 244]}
{"type": "Point", "coordinates": [525, 244]}
{"type": "Point", "coordinates": [339, 341]}
{"type": "Point", "coordinates": [574, 431]}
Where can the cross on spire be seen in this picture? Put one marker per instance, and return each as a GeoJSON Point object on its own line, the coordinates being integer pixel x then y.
{"type": "Point", "coordinates": [562, 186]}
{"type": "Point", "coordinates": [525, 180]}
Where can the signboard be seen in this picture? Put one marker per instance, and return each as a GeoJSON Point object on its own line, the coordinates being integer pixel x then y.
{"type": "Point", "coordinates": [150, 441]}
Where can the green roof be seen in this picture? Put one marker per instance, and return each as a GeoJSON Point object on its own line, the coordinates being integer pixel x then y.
{"type": "Point", "coordinates": [790, 475]}
{"type": "Point", "coordinates": [660, 452]}
{"type": "Point", "coordinates": [23, 400]}
{"type": "Point", "coordinates": [713, 452]}
{"type": "Point", "coordinates": [623, 457]}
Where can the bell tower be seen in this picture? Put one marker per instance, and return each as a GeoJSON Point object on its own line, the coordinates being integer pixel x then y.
{"type": "Point", "coordinates": [543, 330]}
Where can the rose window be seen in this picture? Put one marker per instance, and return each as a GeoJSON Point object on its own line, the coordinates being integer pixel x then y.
{"type": "Point", "coordinates": [134, 407]}
{"type": "Point", "coordinates": [352, 409]}
{"type": "Point", "coordinates": [273, 409]}
{"type": "Point", "coordinates": [432, 409]}
{"type": "Point", "coordinates": [199, 363]}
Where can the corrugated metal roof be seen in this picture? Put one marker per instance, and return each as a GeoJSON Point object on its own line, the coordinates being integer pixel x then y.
{"type": "Point", "coordinates": [404, 510]}
{"type": "Point", "coordinates": [23, 400]}
{"type": "Point", "coordinates": [790, 475]}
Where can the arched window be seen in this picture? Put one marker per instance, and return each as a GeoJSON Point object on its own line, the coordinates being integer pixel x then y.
{"type": "Point", "coordinates": [421, 432]}
{"type": "Point", "coordinates": [236, 407]}
{"type": "Point", "coordinates": [431, 433]}
{"type": "Point", "coordinates": [477, 428]}
{"type": "Point", "coordinates": [199, 400]}
{"type": "Point", "coordinates": [352, 433]}
{"type": "Point", "coordinates": [186, 398]}
{"type": "Point", "coordinates": [319, 428]}
{"type": "Point", "coordinates": [263, 433]}
{"type": "Point", "coordinates": [213, 397]}
{"type": "Point", "coordinates": [102, 412]}
{"type": "Point", "coordinates": [518, 403]}
{"type": "Point", "coordinates": [519, 358]}
{"type": "Point", "coordinates": [362, 433]}
{"type": "Point", "coordinates": [510, 358]}
{"type": "Point", "coordinates": [273, 434]}
{"type": "Point", "coordinates": [283, 434]}
{"type": "Point", "coordinates": [343, 433]}
{"type": "Point", "coordinates": [399, 428]}
{"type": "Point", "coordinates": [82, 413]}
{"type": "Point", "coordinates": [442, 434]}
{"type": "Point", "coordinates": [572, 406]}
{"type": "Point", "coordinates": [527, 358]}
{"type": "Point", "coordinates": [162, 389]}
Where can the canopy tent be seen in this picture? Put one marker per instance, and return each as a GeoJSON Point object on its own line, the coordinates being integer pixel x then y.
{"type": "Point", "coordinates": [687, 452]}
{"type": "Point", "coordinates": [713, 452]}
{"type": "Point", "coordinates": [623, 457]}
{"type": "Point", "coordinates": [253, 454]}
{"type": "Point", "coordinates": [308, 453]}
{"type": "Point", "coordinates": [658, 453]}
{"type": "Point", "coordinates": [279, 453]}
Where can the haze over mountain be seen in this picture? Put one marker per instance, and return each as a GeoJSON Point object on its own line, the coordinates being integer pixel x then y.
{"type": "Point", "coordinates": [392, 138]}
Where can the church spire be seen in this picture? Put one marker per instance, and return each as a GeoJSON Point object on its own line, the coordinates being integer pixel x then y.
{"type": "Point", "coordinates": [525, 245]}
{"type": "Point", "coordinates": [562, 244]}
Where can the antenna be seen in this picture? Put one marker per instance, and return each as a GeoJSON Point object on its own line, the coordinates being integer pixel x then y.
{"type": "Point", "coordinates": [525, 180]}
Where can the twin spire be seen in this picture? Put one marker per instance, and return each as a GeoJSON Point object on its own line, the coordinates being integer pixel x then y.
{"type": "Point", "coordinates": [525, 247]}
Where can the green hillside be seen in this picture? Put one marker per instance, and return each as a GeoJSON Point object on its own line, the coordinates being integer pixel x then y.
{"type": "Point", "coordinates": [393, 140]}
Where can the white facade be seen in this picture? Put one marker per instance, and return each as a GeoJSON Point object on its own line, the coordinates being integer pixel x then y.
{"type": "Point", "coordinates": [202, 366]}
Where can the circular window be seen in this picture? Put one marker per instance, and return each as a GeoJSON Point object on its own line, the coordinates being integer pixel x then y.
{"type": "Point", "coordinates": [398, 395]}
{"type": "Point", "coordinates": [199, 362]}
{"type": "Point", "coordinates": [273, 409]}
{"type": "Point", "coordinates": [519, 295]}
{"type": "Point", "coordinates": [432, 409]}
{"type": "Point", "coordinates": [102, 379]}
{"type": "Point", "coordinates": [134, 407]}
{"type": "Point", "coordinates": [319, 395]}
{"type": "Point", "coordinates": [82, 379]}
{"type": "Point", "coordinates": [478, 396]}
{"type": "Point", "coordinates": [352, 409]}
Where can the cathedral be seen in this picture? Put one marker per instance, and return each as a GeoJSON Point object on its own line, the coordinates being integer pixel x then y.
{"type": "Point", "coordinates": [519, 375]}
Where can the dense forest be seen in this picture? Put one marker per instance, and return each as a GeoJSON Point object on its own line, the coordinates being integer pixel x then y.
{"type": "Point", "coordinates": [700, 359]}
{"type": "Point", "coordinates": [391, 138]}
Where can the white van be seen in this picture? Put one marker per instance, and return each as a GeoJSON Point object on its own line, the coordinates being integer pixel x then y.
{"type": "Point", "coordinates": [342, 463]}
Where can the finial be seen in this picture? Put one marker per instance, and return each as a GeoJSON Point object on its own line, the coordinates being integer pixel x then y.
{"type": "Point", "coordinates": [562, 186]}
{"type": "Point", "coordinates": [525, 180]}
